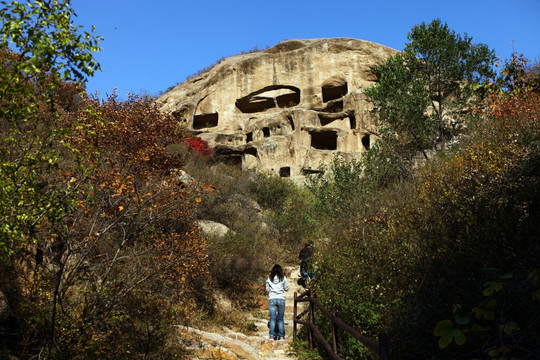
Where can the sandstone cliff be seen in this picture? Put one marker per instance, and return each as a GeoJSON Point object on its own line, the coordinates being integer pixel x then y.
{"type": "Point", "coordinates": [286, 109]}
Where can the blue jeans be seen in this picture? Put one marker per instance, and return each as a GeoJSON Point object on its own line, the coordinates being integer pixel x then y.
{"type": "Point", "coordinates": [277, 310]}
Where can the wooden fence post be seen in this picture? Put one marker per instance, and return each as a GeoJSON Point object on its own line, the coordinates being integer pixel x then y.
{"type": "Point", "coordinates": [311, 318]}
{"type": "Point", "coordinates": [380, 348]}
{"type": "Point", "coordinates": [383, 347]}
{"type": "Point", "coordinates": [294, 317]}
{"type": "Point", "coordinates": [335, 329]}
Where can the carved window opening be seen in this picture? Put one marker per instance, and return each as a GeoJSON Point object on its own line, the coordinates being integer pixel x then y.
{"type": "Point", "coordinates": [324, 140]}
{"type": "Point", "coordinates": [285, 171]}
{"type": "Point", "coordinates": [204, 121]}
{"type": "Point", "coordinates": [269, 97]}
{"type": "Point", "coordinates": [334, 91]}
{"type": "Point", "coordinates": [334, 106]}
{"type": "Point", "coordinates": [325, 119]}
{"type": "Point", "coordinates": [311, 171]}
{"type": "Point", "coordinates": [228, 156]}
{"type": "Point", "coordinates": [249, 137]}
{"type": "Point", "coordinates": [366, 143]}
{"type": "Point", "coordinates": [256, 105]}
{"type": "Point", "coordinates": [251, 151]}
{"type": "Point", "coordinates": [352, 121]}
{"type": "Point", "coordinates": [288, 100]}
{"type": "Point", "coordinates": [266, 131]}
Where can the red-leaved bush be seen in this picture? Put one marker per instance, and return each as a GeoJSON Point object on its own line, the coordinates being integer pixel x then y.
{"type": "Point", "coordinates": [199, 145]}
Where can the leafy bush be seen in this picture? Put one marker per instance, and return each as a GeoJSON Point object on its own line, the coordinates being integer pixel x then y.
{"type": "Point", "coordinates": [338, 189]}
{"type": "Point", "coordinates": [446, 261]}
{"type": "Point", "coordinates": [199, 145]}
{"type": "Point", "coordinates": [119, 262]}
{"type": "Point", "coordinates": [271, 191]}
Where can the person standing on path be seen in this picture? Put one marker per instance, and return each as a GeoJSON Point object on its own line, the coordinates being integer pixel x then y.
{"type": "Point", "coordinates": [276, 285]}
{"type": "Point", "coordinates": [307, 272]}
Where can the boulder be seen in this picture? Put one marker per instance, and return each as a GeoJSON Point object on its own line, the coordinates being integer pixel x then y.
{"type": "Point", "coordinates": [212, 228]}
{"type": "Point", "coordinates": [223, 303]}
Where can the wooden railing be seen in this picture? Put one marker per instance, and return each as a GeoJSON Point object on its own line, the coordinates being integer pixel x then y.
{"type": "Point", "coordinates": [380, 348]}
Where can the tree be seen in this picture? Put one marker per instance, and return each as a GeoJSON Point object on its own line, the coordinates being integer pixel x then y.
{"type": "Point", "coordinates": [127, 239]}
{"type": "Point", "coordinates": [424, 93]}
{"type": "Point", "coordinates": [97, 243]}
{"type": "Point", "coordinates": [454, 249]}
{"type": "Point", "coordinates": [47, 50]}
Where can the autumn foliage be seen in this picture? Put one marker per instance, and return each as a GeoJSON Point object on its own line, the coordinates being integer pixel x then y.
{"type": "Point", "coordinates": [120, 263]}
{"type": "Point", "coordinates": [199, 145]}
{"type": "Point", "coordinates": [101, 254]}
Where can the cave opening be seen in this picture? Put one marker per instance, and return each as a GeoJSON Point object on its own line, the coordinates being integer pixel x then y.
{"type": "Point", "coordinates": [204, 121]}
{"type": "Point", "coordinates": [256, 104]}
{"type": "Point", "coordinates": [334, 106]}
{"type": "Point", "coordinates": [228, 156]}
{"type": "Point", "coordinates": [251, 151]}
{"type": "Point", "coordinates": [333, 92]}
{"type": "Point", "coordinates": [288, 100]}
{"type": "Point", "coordinates": [269, 97]}
{"type": "Point", "coordinates": [366, 142]}
{"type": "Point", "coordinates": [311, 171]}
{"type": "Point", "coordinates": [285, 171]}
{"type": "Point", "coordinates": [325, 119]}
{"type": "Point", "coordinates": [266, 131]}
{"type": "Point", "coordinates": [324, 140]}
{"type": "Point", "coordinates": [352, 121]}
{"type": "Point", "coordinates": [249, 137]}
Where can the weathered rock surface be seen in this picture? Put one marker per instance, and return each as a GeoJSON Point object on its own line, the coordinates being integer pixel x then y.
{"type": "Point", "coordinates": [212, 228]}
{"type": "Point", "coordinates": [287, 109]}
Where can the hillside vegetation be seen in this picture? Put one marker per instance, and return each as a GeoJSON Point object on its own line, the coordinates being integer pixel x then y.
{"type": "Point", "coordinates": [445, 260]}
{"type": "Point", "coordinates": [434, 237]}
{"type": "Point", "coordinates": [433, 240]}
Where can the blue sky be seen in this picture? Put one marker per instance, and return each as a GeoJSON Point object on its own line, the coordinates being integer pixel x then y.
{"type": "Point", "coordinates": [150, 45]}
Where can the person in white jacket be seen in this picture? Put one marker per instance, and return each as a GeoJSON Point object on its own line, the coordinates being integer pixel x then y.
{"type": "Point", "coordinates": [276, 285]}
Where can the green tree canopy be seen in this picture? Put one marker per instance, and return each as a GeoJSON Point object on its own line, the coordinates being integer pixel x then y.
{"type": "Point", "coordinates": [40, 49]}
{"type": "Point", "coordinates": [424, 93]}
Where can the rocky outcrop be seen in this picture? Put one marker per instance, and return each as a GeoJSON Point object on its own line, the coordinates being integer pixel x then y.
{"type": "Point", "coordinates": [212, 228]}
{"type": "Point", "coordinates": [287, 109]}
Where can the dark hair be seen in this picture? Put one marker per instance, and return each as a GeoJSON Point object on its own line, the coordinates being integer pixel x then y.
{"type": "Point", "coordinates": [277, 270]}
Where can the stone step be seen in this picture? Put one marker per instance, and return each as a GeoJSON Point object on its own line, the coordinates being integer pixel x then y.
{"type": "Point", "coordinates": [228, 344]}
{"type": "Point", "coordinates": [232, 345]}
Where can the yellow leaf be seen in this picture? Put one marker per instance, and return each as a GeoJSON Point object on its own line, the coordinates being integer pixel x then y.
{"type": "Point", "coordinates": [198, 199]}
{"type": "Point", "coordinates": [120, 208]}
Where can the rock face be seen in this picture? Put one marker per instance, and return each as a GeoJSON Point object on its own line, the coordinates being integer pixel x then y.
{"type": "Point", "coordinates": [212, 228]}
{"type": "Point", "coordinates": [287, 109]}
